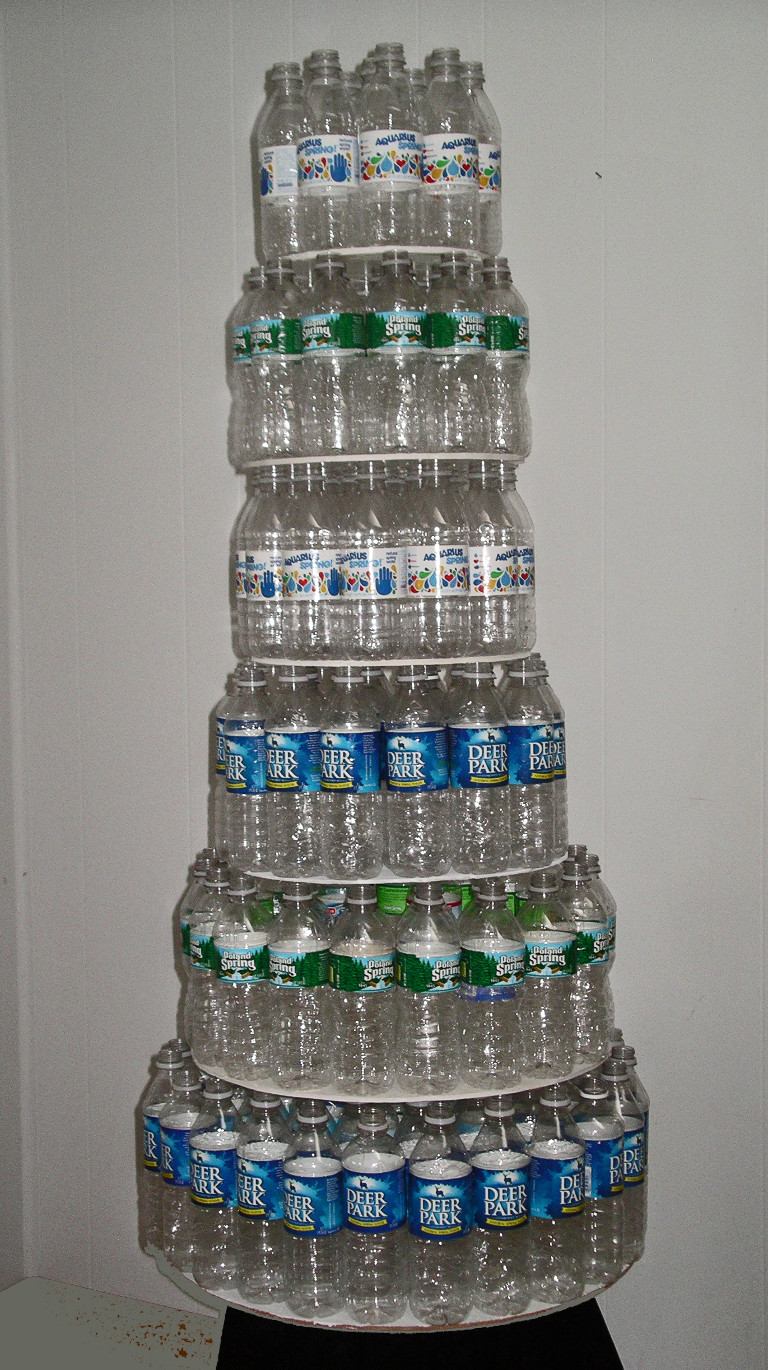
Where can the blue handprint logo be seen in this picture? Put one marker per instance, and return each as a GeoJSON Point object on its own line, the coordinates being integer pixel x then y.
{"type": "Point", "coordinates": [385, 581]}
{"type": "Point", "coordinates": [340, 170]}
{"type": "Point", "coordinates": [266, 181]}
{"type": "Point", "coordinates": [333, 581]}
{"type": "Point", "coordinates": [268, 587]}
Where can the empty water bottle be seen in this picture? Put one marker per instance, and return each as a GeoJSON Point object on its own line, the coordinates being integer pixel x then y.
{"type": "Point", "coordinates": [301, 1011]}
{"type": "Point", "coordinates": [440, 1203]}
{"type": "Point", "coordinates": [238, 366]}
{"type": "Point", "coordinates": [333, 366]}
{"type": "Point", "coordinates": [488, 158]}
{"type": "Point", "coordinates": [397, 358]}
{"type": "Point", "coordinates": [428, 971]}
{"type": "Point", "coordinates": [419, 802]}
{"type": "Point", "coordinates": [493, 982]}
{"type": "Point", "coordinates": [329, 157]}
{"type": "Point", "coordinates": [202, 921]}
{"type": "Point", "coordinates": [238, 585]}
{"type": "Point", "coordinates": [438, 566]}
{"type": "Point", "coordinates": [213, 1187]}
{"type": "Point", "coordinates": [605, 899]}
{"type": "Point", "coordinates": [176, 1122]}
{"type": "Point", "coordinates": [260, 1243]}
{"type": "Point", "coordinates": [591, 996]}
{"type": "Point", "coordinates": [192, 893]}
{"type": "Point", "coordinates": [602, 1131]}
{"type": "Point", "coordinates": [507, 362]}
{"type": "Point", "coordinates": [271, 422]}
{"type": "Point", "coordinates": [282, 124]}
{"type": "Point", "coordinates": [480, 788]}
{"type": "Point", "coordinates": [313, 1198]}
{"type": "Point", "coordinates": [241, 1002]}
{"type": "Point", "coordinates": [616, 1076]}
{"type": "Point", "coordinates": [500, 1170]}
{"type": "Point", "coordinates": [449, 160]}
{"type": "Point", "coordinates": [390, 152]}
{"type": "Point", "coordinates": [549, 1028]}
{"type": "Point", "coordinates": [375, 1237]}
{"type": "Point", "coordinates": [372, 569]}
{"type": "Point", "coordinates": [531, 767]}
{"type": "Point", "coordinates": [311, 612]}
{"type": "Point", "coordinates": [293, 774]}
{"type": "Point", "coordinates": [561, 781]}
{"type": "Point", "coordinates": [455, 397]}
{"type": "Point", "coordinates": [626, 1054]}
{"type": "Point", "coordinates": [157, 1094]}
{"type": "Point", "coordinates": [351, 809]}
{"type": "Point", "coordinates": [557, 1151]}
{"type": "Point", "coordinates": [258, 539]}
{"type": "Point", "coordinates": [246, 774]}
{"type": "Point", "coordinates": [501, 611]}
{"type": "Point", "coordinates": [364, 1001]}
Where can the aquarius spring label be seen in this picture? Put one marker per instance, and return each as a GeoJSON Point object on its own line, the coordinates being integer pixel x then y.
{"type": "Point", "coordinates": [260, 1187]}
{"type": "Point", "coordinates": [457, 332]}
{"type": "Point", "coordinates": [531, 753]}
{"type": "Point", "coordinates": [526, 571]}
{"type": "Point", "coordinates": [507, 333]}
{"type": "Point", "coordinates": [550, 953]}
{"type": "Point", "coordinates": [593, 943]}
{"type": "Point", "coordinates": [488, 168]}
{"type": "Point", "coordinates": [493, 570]}
{"type": "Point", "coordinates": [241, 590]}
{"type": "Point", "coordinates": [278, 171]}
{"type": "Point", "coordinates": [557, 1182]}
{"type": "Point", "coordinates": [478, 757]}
{"type": "Point", "coordinates": [349, 761]}
{"type": "Point", "coordinates": [314, 1203]}
{"type": "Point", "coordinates": [501, 1189]}
{"type": "Point", "coordinates": [376, 571]}
{"type": "Point", "coordinates": [396, 328]}
{"type": "Point", "coordinates": [174, 1155]}
{"type": "Point", "coordinates": [240, 965]}
{"type": "Point", "coordinates": [449, 162]}
{"type": "Point", "coordinates": [392, 155]}
{"type": "Point", "coordinates": [293, 760]}
{"type": "Point", "coordinates": [299, 969]}
{"type": "Point", "coordinates": [427, 974]}
{"type": "Point", "coordinates": [246, 756]}
{"type": "Point", "coordinates": [311, 573]}
{"type": "Point", "coordinates": [374, 1201]}
{"type": "Point", "coordinates": [213, 1176]}
{"type": "Point", "coordinates": [417, 759]}
{"type": "Point", "coordinates": [492, 974]}
{"type": "Point", "coordinates": [358, 974]}
{"type": "Point", "coordinates": [603, 1167]}
{"type": "Point", "coordinates": [328, 162]}
{"type": "Point", "coordinates": [151, 1140]}
{"type": "Point", "coordinates": [440, 1205]}
{"type": "Point", "coordinates": [275, 337]}
{"type": "Point", "coordinates": [263, 574]}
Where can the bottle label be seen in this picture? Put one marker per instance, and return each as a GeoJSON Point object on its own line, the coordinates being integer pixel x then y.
{"type": "Point", "coordinates": [550, 954]}
{"type": "Point", "coordinates": [376, 571]}
{"type": "Point", "coordinates": [531, 756]}
{"type": "Point", "coordinates": [428, 974]}
{"type": "Point", "coordinates": [449, 161]}
{"type": "Point", "coordinates": [440, 1209]}
{"type": "Point", "coordinates": [221, 746]}
{"type": "Point", "coordinates": [393, 899]}
{"type": "Point", "coordinates": [488, 168]}
{"type": "Point", "coordinates": [241, 343]}
{"type": "Point", "coordinates": [417, 760]}
{"type": "Point", "coordinates": [260, 1189]}
{"type": "Point", "coordinates": [593, 944]}
{"type": "Point", "coordinates": [558, 748]}
{"type": "Point", "coordinates": [374, 1201]}
{"type": "Point", "coordinates": [213, 1176]}
{"type": "Point", "coordinates": [396, 329]}
{"type": "Point", "coordinates": [312, 574]}
{"type": "Point", "coordinates": [293, 761]}
{"type": "Point", "coordinates": [478, 757]}
{"type": "Point", "coordinates": [184, 935]}
{"type": "Point", "coordinates": [328, 162]}
{"type": "Point", "coordinates": [603, 1168]}
{"type": "Point", "coordinates": [443, 572]}
{"type": "Point", "coordinates": [241, 965]}
{"type": "Point", "coordinates": [493, 570]}
{"type": "Point", "coordinates": [174, 1155]}
{"type": "Point", "coordinates": [392, 155]}
{"type": "Point", "coordinates": [246, 756]}
{"type": "Point", "coordinates": [557, 1187]}
{"type": "Point", "coordinates": [299, 969]}
{"type": "Point", "coordinates": [263, 574]}
{"type": "Point", "coordinates": [278, 173]}
{"type": "Point", "coordinates": [362, 974]}
{"type": "Point", "coordinates": [526, 571]}
{"type": "Point", "coordinates": [501, 1196]}
{"type": "Point", "coordinates": [200, 948]}
{"type": "Point", "coordinates": [634, 1155]}
{"type": "Point", "coordinates": [612, 932]}
{"type": "Point", "coordinates": [349, 761]}
{"type": "Point", "coordinates": [313, 1204]}
{"type": "Point", "coordinates": [506, 333]}
{"type": "Point", "coordinates": [333, 333]}
{"type": "Point", "coordinates": [491, 974]}
{"type": "Point", "coordinates": [457, 332]}
{"type": "Point", "coordinates": [151, 1143]}
{"type": "Point", "coordinates": [275, 337]}
{"type": "Point", "coordinates": [241, 587]}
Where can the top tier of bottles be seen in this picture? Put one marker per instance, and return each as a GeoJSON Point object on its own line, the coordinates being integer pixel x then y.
{"type": "Point", "coordinates": [381, 155]}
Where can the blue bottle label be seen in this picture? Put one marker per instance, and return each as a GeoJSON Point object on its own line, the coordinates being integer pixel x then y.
{"type": "Point", "coordinates": [313, 1203]}
{"type": "Point", "coordinates": [350, 761]}
{"type": "Point", "coordinates": [293, 761]}
{"type": "Point", "coordinates": [221, 746]}
{"type": "Point", "coordinates": [374, 1202]}
{"type": "Point", "coordinates": [558, 749]}
{"type": "Point", "coordinates": [501, 1194]}
{"type": "Point", "coordinates": [263, 574]}
{"type": "Point", "coordinates": [151, 1143]}
{"type": "Point", "coordinates": [531, 760]}
{"type": "Point", "coordinates": [375, 571]}
{"type": "Point", "coordinates": [440, 1209]}
{"type": "Point", "coordinates": [213, 1177]}
{"type": "Point", "coordinates": [260, 1189]}
{"type": "Point", "coordinates": [603, 1168]}
{"type": "Point", "coordinates": [478, 757]}
{"type": "Point", "coordinates": [557, 1186]}
{"type": "Point", "coordinates": [311, 574]}
{"type": "Point", "coordinates": [246, 756]}
{"type": "Point", "coordinates": [634, 1155]}
{"type": "Point", "coordinates": [417, 760]}
{"type": "Point", "coordinates": [174, 1151]}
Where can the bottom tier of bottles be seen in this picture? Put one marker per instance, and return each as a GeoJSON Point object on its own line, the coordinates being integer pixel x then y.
{"type": "Point", "coordinates": [382, 1214]}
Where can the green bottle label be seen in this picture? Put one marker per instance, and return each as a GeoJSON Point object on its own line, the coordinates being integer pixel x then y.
{"type": "Point", "coordinates": [505, 333]}
{"type": "Point", "coordinates": [299, 969]}
{"type": "Point", "coordinates": [551, 953]}
{"type": "Point", "coordinates": [398, 328]}
{"type": "Point", "coordinates": [362, 974]}
{"type": "Point", "coordinates": [393, 898]}
{"type": "Point", "coordinates": [593, 944]}
{"type": "Point", "coordinates": [184, 930]}
{"type": "Point", "coordinates": [333, 333]}
{"type": "Point", "coordinates": [428, 974]}
{"type": "Point", "coordinates": [457, 332]}
{"type": "Point", "coordinates": [241, 343]}
{"type": "Point", "coordinates": [200, 949]}
{"type": "Point", "coordinates": [490, 968]}
{"type": "Point", "coordinates": [275, 336]}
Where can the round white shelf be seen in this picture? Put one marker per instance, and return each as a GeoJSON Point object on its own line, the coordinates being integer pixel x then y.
{"type": "Point", "coordinates": [395, 661]}
{"type": "Point", "coordinates": [387, 877]}
{"type": "Point", "coordinates": [471, 254]}
{"type": "Point", "coordinates": [358, 458]}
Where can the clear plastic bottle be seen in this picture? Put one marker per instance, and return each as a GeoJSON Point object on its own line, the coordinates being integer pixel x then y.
{"type": "Point", "coordinates": [176, 1121]}
{"type": "Point", "coordinates": [372, 568]}
{"type": "Point", "coordinates": [626, 1054]}
{"type": "Point", "coordinates": [157, 1094]}
{"type": "Point", "coordinates": [390, 152]}
{"type": "Point", "coordinates": [283, 123]}
{"type": "Point", "coordinates": [240, 1016]}
{"type": "Point", "coordinates": [246, 774]}
{"type": "Point", "coordinates": [293, 774]}
{"type": "Point", "coordinates": [329, 158]}
{"type": "Point", "coordinates": [417, 82]}
{"type": "Point", "coordinates": [238, 356]}
{"type": "Point", "coordinates": [375, 1236]}
{"type": "Point", "coordinates": [560, 767]}
{"type": "Point", "coordinates": [354, 87]}
{"type": "Point", "coordinates": [238, 583]}
{"type": "Point", "coordinates": [351, 812]}
{"type": "Point", "coordinates": [602, 1131]}
{"type": "Point", "coordinates": [531, 767]}
{"type": "Point", "coordinates": [301, 1009]}
{"type": "Point", "coordinates": [363, 998]}
{"type": "Point", "coordinates": [440, 1203]}
{"type": "Point", "coordinates": [312, 1188]}
{"type": "Point", "coordinates": [603, 896]}
{"type": "Point", "coordinates": [591, 995]}
{"type": "Point", "coordinates": [419, 802]}
{"type": "Point", "coordinates": [495, 538]}
{"type": "Point", "coordinates": [500, 1241]}
{"type": "Point", "coordinates": [449, 158]}
{"type": "Point", "coordinates": [480, 788]}
{"type": "Point", "coordinates": [507, 360]}
{"type": "Point", "coordinates": [271, 381]}
{"type": "Point", "coordinates": [333, 362]}
{"type": "Point", "coordinates": [616, 1076]}
{"type": "Point", "coordinates": [192, 893]}
{"type": "Point", "coordinates": [260, 1234]}
{"type": "Point", "coordinates": [427, 1047]}
{"type": "Point", "coordinates": [397, 358]}
{"type": "Point", "coordinates": [258, 564]}
{"type": "Point", "coordinates": [488, 158]}
{"type": "Point", "coordinates": [197, 1008]}
{"type": "Point", "coordinates": [549, 1027]}
{"type": "Point", "coordinates": [311, 610]}
{"type": "Point", "coordinates": [557, 1236]}
{"type": "Point", "coordinates": [213, 1187]}
{"type": "Point", "coordinates": [438, 566]}
{"type": "Point", "coordinates": [493, 983]}
{"type": "Point", "coordinates": [455, 398]}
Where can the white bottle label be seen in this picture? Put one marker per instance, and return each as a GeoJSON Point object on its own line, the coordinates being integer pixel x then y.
{"type": "Point", "coordinates": [493, 570]}
{"type": "Point", "coordinates": [278, 174]}
{"type": "Point", "coordinates": [526, 571]}
{"type": "Point", "coordinates": [328, 163]}
{"type": "Point", "coordinates": [433, 574]}
{"type": "Point", "coordinates": [241, 591]}
{"type": "Point", "coordinates": [449, 162]}
{"type": "Point", "coordinates": [489, 168]}
{"type": "Point", "coordinates": [391, 155]}
{"type": "Point", "coordinates": [263, 574]}
{"type": "Point", "coordinates": [312, 574]}
{"type": "Point", "coordinates": [376, 571]}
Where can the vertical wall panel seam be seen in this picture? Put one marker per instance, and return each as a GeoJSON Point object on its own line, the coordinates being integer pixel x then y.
{"type": "Point", "coordinates": [764, 729]}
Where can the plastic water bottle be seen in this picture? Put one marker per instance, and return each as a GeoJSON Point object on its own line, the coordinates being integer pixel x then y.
{"type": "Point", "coordinates": [495, 541]}
{"type": "Point", "coordinates": [524, 1104]}
{"type": "Point", "coordinates": [397, 358]}
{"type": "Point", "coordinates": [531, 767]}
{"type": "Point", "coordinates": [213, 1187]}
{"type": "Point", "coordinates": [246, 773]}
{"type": "Point", "coordinates": [364, 1001]}
{"type": "Point", "coordinates": [557, 1234]}
{"type": "Point", "coordinates": [500, 1242]}
{"type": "Point", "coordinates": [351, 810]}
{"type": "Point", "coordinates": [456, 401]}
{"type": "Point", "coordinates": [313, 1197]}
{"type": "Point", "coordinates": [333, 362]}
{"type": "Point", "coordinates": [312, 533]}
{"type": "Point", "coordinates": [409, 1130]}
{"type": "Point", "coordinates": [284, 122]}
{"type": "Point", "coordinates": [375, 1236]}
{"type": "Point", "coordinates": [626, 1054]}
{"type": "Point", "coordinates": [480, 788]}
{"type": "Point", "coordinates": [440, 1203]}
{"type": "Point", "coordinates": [507, 362]}
{"type": "Point", "coordinates": [449, 160]}
{"type": "Point", "coordinates": [549, 1027]}
{"type": "Point", "coordinates": [438, 568]}
{"type": "Point", "coordinates": [428, 972]}
{"type": "Point", "coordinates": [419, 801]}
{"type": "Point", "coordinates": [616, 1076]}
{"type": "Point", "coordinates": [602, 1131]}
{"type": "Point", "coordinates": [157, 1094]}
{"type": "Point", "coordinates": [238, 589]}
{"type": "Point", "coordinates": [469, 1120]}
{"type": "Point", "coordinates": [258, 562]}
{"type": "Point", "coordinates": [493, 982]}
{"type": "Point", "coordinates": [606, 900]}
{"type": "Point", "coordinates": [353, 85]}
{"type": "Point", "coordinates": [271, 380]}
{"type": "Point", "coordinates": [390, 152]}
{"type": "Point", "coordinates": [202, 921]}
{"type": "Point", "coordinates": [591, 995]}
{"type": "Point", "coordinates": [301, 1011]}
{"type": "Point", "coordinates": [372, 568]}
{"type": "Point", "coordinates": [260, 1234]}
{"type": "Point", "coordinates": [176, 1121]}
{"type": "Point", "coordinates": [293, 728]}
{"type": "Point", "coordinates": [192, 893]}
{"type": "Point", "coordinates": [238, 366]}
{"type": "Point", "coordinates": [329, 157]}
{"type": "Point", "coordinates": [488, 158]}
{"type": "Point", "coordinates": [558, 738]}
{"type": "Point", "coordinates": [240, 1016]}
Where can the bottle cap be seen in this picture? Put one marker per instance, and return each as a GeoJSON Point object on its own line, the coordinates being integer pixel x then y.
{"type": "Point", "coordinates": [169, 1057]}
{"type": "Point", "coordinates": [613, 1069]}
{"type": "Point", "coordinates": [311, 1111]}
{"type": "Point", "coordinates": [241, 885]}
{"type": "Point", "coordinates": [217, 1089]}
{"type": "Point", "coordinates": [260, 1100]}
{"type": "Point", "coordinates": [554, 1096]}
{"type": "Point", "coordinates": [186, 1079]}
{"type": "Point", "coordinates": [428, 892]}
{"type": "Point", "coordinates": [544, 882]}
{"type": "Point", "coordinates": [573, 871]}
{"type": "Point", "coordinates": [361, 894]}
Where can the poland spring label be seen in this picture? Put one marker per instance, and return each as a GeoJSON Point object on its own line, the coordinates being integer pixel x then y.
{"type": "Point", "coordinates": [311, 574]}
{"type": "Point", "coordinates": [333, 333]}
{"type": "Point", "coordinates": [174, 1155]}
{"type": "Point", "coordinates": [299, 969]}
{"type": "Point", "coordinates": [557, 1183]}
{"type": "Point", "coordinates": [417, 759]}
{"type": "Point", "coordinates": [275, 337]}
{"type": "Point", "coordinates": [362, 974]}
{"type": "Point", "coordinates": [241, 965]}
{"type": "Point", "coordinates": [507, 333]}
{"type": "Point", "coordinates": [488, 168]}
{"type": "Point", "coordinates": [603, 1167]}
{"type": "Point", "coordinates": [246, 756]}
{"type": "Point", "coordinates": [531, 754]}
{"type": "Point", "coordinates": [492, 974]}
{"type": "Point", "coordinates": [201, 945]}
{"type": "Point", "coordinates": [213, 1176]}
{"type": "Point", "coordinates": [428, 974]}
{"type": "Point", "coordinates": [440, 1204]}
{"type": "Point", "coordinates": [458, 332]}
{"type": "Point", "coordinates": [501, 1189]}
{"type": "Point", "coordinates": [449, 162]}
{"type": "Point", "coordinates": [392, 155]}
{"type": "Point", "coordinates": [278, 171]}
{"type": "Point", "coordinates": [550, 953]}
{"type": "Point", "coordinates": [349, 761]}
{"type": "Point", "coordinates": [328, 162]}
{"type": "Point", "coordinates": [263, 574]}
{"type": "Point", "coordinates": [241, 344]}
{"type": "Point", "coordinates": [397, 328]}
{"type": "Point", "coordinates": [151, 1147]}
{"type": "Point", "coordinates": [313, 1203]}
{"type": "Point", "coordinates": [376, 571]}
{"type": "Point", "coordinates": [293, 761]}
{"type": "Point", "coordinates": [493, 570]}
{"type": "Point", "coordinates": [478, 757]}
{"type": "Point", "coordinates": [593, 944]}
{"type": "Point", "coordinates": [374, 1201]}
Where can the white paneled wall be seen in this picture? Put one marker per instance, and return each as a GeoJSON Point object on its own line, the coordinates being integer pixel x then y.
{"type": "Point", "coordinates": [635, 213]}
